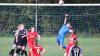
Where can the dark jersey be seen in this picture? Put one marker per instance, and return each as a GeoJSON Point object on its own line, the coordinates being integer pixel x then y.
{"type": "Point", "coordinates": [75, 51]}
{"type": "Point", "coordinates": [22, 33]}
{"type": "Point", "coordinates": [22, 41]}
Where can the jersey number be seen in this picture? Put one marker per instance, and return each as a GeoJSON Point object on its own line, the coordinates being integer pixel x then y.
{"type": "Point", "coordinates": [38, 51]}
{"type": "Point", "coordinates": [76, 52]}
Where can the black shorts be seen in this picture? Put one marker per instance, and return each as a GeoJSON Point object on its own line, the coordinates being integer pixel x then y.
{"type": "Point", "coordinates": [22, 43]}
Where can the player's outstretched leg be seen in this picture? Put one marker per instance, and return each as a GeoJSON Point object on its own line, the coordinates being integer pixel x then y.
{"type": "Point", "coordinates": [62, 43]}
{"type": "Point", "coordinates": [17, 51]}
{"type": "Point", "coordinates": [58, 40]}
{"type": "Point", "coordinates": [11, 53]}
{"type": "Point", "coordinates": [23, 51]}
{"type": "Point", "coordinates": [30, 53]}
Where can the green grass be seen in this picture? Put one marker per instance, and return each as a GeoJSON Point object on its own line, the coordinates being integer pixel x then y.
{"type": "Point", "coordinates": [90, 46]}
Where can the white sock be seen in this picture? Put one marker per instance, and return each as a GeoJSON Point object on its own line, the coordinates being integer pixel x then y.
{"type": "Point", "coordinates": [15, 54]}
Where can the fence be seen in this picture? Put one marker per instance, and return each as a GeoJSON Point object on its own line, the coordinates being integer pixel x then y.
{"type": "Point", "coordinates": [85, 19]}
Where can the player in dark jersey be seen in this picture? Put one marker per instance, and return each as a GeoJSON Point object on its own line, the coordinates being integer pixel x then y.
{"type": "Point", "coordinates": [74, 50]}
{"type": "Point", "coordinates": [22, 41]}
{"type": "Point", "coordinates": [15, 41]}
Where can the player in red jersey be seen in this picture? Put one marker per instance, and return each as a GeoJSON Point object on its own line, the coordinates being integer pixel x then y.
{"type": "Point", "coordinates": [73, 43]}
{"type": "Point", "coordinates": [32, 37]}
{"type": "Point", "coordinates": [72, 38]}
{"type": "Point", "coordinates": [73, 50]}
{"type": "Point", "coordinates": [37, 50]}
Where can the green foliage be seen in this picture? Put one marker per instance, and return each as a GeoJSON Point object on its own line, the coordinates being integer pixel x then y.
{"type": "Point", "coordinates": [50, 19]}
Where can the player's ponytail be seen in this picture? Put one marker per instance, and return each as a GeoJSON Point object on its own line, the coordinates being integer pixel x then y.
{"type": "Point", "coordinates": [29, 30]}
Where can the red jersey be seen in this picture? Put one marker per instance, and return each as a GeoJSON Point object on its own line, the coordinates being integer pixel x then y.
{"type": "Point", "coordinates": [32, 38]}
{"type": "Point", "coordinates": [71, 43]}
{"type": "Point", "coordinates": [71, 39]}
{"type": "Point", "coordinates": [36, 50]}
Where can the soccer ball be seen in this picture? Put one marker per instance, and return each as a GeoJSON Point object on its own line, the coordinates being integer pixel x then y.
{"type": "Point", "coordinates": [61, 2]}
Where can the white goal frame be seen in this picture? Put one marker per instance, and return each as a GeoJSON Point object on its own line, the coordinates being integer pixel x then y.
{"type": "Point", "coordinates": [22, 4]}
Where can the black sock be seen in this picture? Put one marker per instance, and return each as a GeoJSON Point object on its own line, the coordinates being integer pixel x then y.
{"type": "Point", "coordinates": [11, 52]}
{"type": "Point", "coordinates": [18, 50]}
{"type": "Point", "coordinates": [24, 52]}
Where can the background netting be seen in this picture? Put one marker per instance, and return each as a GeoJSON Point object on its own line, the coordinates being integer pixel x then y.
{"type": "Point", "coordinates": [85, 19]}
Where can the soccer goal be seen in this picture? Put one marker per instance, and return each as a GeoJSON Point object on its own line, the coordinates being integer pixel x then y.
{"type": "Point", "coordinates": [48, 18]}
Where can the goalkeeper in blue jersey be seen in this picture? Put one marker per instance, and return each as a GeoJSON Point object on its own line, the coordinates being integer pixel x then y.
{"type": "Point", "coordinates": [65, 29]}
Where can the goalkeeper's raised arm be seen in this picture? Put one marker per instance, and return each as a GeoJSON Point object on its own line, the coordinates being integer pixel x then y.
{"type": "Point", "coordinates": [66, 17]}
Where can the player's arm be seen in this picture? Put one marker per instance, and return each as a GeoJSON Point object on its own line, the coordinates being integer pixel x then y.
{"type": "Point", "coordinates": [38, 37]}
{"type": "Point", "coordinates": [16, 35]}
{"type": "Point", "coordinates": [81, 53]}
{"type": "Point", "coordinates": [42, 52]}
{"type": "Point", "coordinates": [26, 33]}
{"type": "Point", "coordinates": [65, 20]}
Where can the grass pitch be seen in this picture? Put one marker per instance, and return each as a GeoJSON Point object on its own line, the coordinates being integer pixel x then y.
{"type": "Point", "coordinates": [90, 46]}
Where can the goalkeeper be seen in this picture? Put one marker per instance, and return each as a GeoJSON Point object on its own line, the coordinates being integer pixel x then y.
{"type": "Point", "coordinates": [65, 29]}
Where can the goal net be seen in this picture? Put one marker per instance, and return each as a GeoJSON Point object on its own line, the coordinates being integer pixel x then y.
{"type": "Point", "coordinates": [48, 18]}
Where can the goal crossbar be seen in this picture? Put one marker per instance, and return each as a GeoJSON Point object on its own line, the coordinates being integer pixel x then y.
{"type": "Point", "coordinates": [18, 4]}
